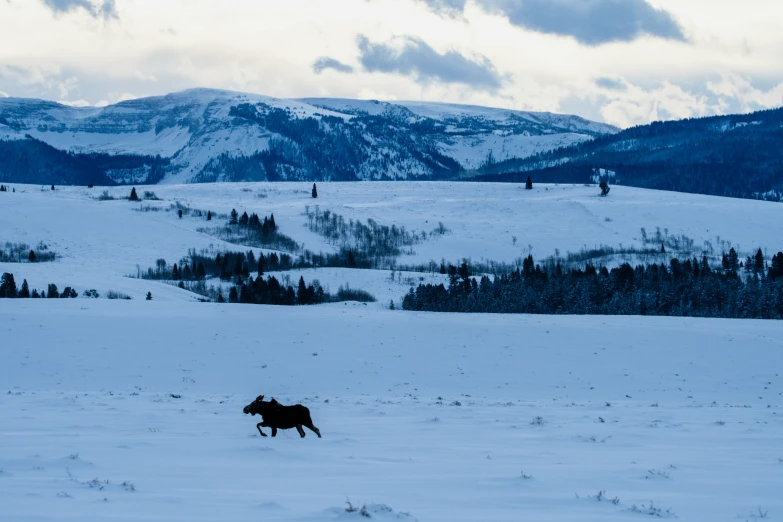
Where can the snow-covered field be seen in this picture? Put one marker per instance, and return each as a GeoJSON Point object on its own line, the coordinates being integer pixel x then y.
{"type": "Point", "coordinates": [443, 417]}
{"type": "Point", "coordinates": [131, 410]}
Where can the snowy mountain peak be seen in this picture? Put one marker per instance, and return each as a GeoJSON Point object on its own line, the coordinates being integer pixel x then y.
{"type": "Point", "coordinates": [217, 135]}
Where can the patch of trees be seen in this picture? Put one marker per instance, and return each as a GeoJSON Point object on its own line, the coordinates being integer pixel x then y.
{"type": "Point", "coordinates": [688, 287]}
{"type": "Point", "coordinates": [22, 253]}
{"type": "Point", "coordinates": [9, 290]}
{"type": "Point", "coordinates": [239, 268]}
{"type": "Point", "coordinates": [227, 266]}
{"type": "Point", "coordinates": [735, 156]}
{"type": "Point", "coordinates": [370, 244]}
{"type": "Point", "coordinates": [32, 161]}
{"type": "Point", "coordinates": [251, 230]}
{"type": "Point", "coordinates": [270, 291]}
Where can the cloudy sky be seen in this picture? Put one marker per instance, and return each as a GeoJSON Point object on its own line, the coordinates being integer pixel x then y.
{"type": "Point", "coordinates": [620, 61]}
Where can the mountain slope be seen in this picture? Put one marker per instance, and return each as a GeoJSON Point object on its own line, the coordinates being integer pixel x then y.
{"type": "Point", "coordinates": [734, 155]}
{"type": "Point", "coordinates": [213, 135]}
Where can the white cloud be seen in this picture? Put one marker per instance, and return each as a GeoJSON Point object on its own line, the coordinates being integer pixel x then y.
{"type": "Point", "coordinates": [636, 106]}
{"type": "Point", "coordinates": [739, 89]}
{"type": "Point", "coordinates": [153, 47]}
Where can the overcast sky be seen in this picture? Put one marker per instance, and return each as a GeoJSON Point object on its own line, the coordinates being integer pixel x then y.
{"type": "Point", "coordinates": [624, 62]}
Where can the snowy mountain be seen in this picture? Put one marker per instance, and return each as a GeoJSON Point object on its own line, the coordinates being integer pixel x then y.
{"type": "Point", "coordinates": [735, 155]}
{"type": "Point", "coordinates": [202, 135]}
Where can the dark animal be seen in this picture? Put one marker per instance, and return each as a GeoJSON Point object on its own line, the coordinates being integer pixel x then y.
{"type": "Point", "coordinates": [277, 416]}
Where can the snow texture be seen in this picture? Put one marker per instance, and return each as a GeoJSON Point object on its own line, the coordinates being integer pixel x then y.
{"type": "Point", "coordinates": [131, 410]}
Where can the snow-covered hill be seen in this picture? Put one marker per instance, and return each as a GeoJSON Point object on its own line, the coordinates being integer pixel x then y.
{"type": "Point", "coordinates": [215, 135]}
{"type": "Point", "coordinates": [101, 242]}
{"type": "Point", "coordinates": [132, 409]}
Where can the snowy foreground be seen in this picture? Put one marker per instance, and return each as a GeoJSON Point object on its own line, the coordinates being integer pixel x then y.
{"type": "Point", "coordinates": [132, 410]}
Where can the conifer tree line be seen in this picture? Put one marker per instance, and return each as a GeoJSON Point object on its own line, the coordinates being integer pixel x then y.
{"type": "Point", "coordinates": [225, 265]}
{"type": "Point", "coordinates": [246, 272]}
{"type": "Point", "coordinates": [689, 287]}
{"type": "Point", "coordinates": [9, 290]}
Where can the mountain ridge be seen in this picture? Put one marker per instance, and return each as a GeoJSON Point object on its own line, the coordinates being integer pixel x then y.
{"type": "Point", "coordinates": [734, 155]}
{"type": "Point", "coordinates": [219, 135]}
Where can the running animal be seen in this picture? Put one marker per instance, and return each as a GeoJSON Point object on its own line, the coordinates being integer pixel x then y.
{"type": "Point", "coordinates": [277, 416]}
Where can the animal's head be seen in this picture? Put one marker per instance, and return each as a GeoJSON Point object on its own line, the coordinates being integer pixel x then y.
{"type": "Point", "coordinates": [258, 406]}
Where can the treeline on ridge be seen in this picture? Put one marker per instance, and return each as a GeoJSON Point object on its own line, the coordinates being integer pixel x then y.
{"type": "Point", "coordinates": [735, 155]}
{"type": "Point", "coordinates": [683, 288]}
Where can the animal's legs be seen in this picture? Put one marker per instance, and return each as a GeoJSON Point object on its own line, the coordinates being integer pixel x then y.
{"type": "Point", "coordinates": [300, 430]}
{"type": "Point", "coordinates": [259, 429]}
{"type": "Point", "coordinates": [274, 431]}
{"type": "Point", "coordinates": [313, 429]}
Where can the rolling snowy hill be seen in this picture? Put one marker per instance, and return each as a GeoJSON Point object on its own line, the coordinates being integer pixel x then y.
{"type": "Point", "coordinates": [118, 410]}
{"type": "Point", "coordinates": [212, 135]}
{"type": "Point", "coordinates": [101, 242]}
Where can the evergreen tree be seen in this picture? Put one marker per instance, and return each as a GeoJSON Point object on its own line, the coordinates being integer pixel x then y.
{"type": "Point", "coordinates": [272, 222]}
{"type": "Point", "coordinates": [233, 297]}
{"type": "Point", "coordinates": [261, 265]}
{"type": "Point", "coordinates": [315, 192]}
{"type": "Point", "coordinates": [209, 215]}
{"type": "Point", "coordinates": [663, 249]}
{"type": "Point", "coordinates": [234, 217]}
{"type": "Point", "coordinates": [201, 273]}
{"type": "Point", "coordinates": [52, 291]}
{"type": "Point", "coordinates": [391, 304]}
{"type": "Point", "coordinates": [25, 290]}
{"type": "Point", "coordinates": [35, 294]}
{"type": "Point", "coordinates": [7, 286]}
{"type": "Point", "coordinates": [758, 262]}
{"type": "Point", "coordinates": [179, 213]}
{"type": "Point", "coordinates": [149, 296]}
{"type": "Point", "coordinates": [175, 272]}
{"type": "Point", "coordinates": [2, 188]}
{"type": "Point", "coordinates": [244, 219]}
{"type": "Point", "coordinates": [133, 195]}
{"type": "Point", "coordinates": [776, 267]}
{"type": "Point", "coordinates": [52, 187]}
{"type": "Point", "coordinates": [31, 257]}
{"type": "Point", "coordinates": [301, 294]}
{"type": "Point", "coordinates": [529, 184]}
{"type": "Point", "coordinates": [732, 260]}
